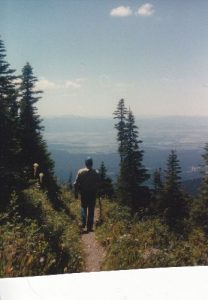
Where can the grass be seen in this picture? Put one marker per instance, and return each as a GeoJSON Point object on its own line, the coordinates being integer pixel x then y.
{"type": "Point", "coordinates": [133, 243]}
{"type": "Point", "coordinates": [35, 239]}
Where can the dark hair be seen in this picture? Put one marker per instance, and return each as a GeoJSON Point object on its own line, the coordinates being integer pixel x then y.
{"type": "Point", "coordinates": [89, 162]}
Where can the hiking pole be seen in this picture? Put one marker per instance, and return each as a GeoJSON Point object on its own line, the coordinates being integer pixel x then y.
{"type": "Point", "coordinates": [100, 208]}
{"type": "Point", "coordinates": [99, 221]}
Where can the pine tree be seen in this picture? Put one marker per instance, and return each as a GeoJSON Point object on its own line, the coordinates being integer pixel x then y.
{"type": "Point", "coordinates": [106, 186]}
{"type": "Point", "coordinates": [157, 181]}
{"type": "Point", "coordinates": [157, 190]}
{"type": "Point", "coordinates": [34, 148]}
{"type": "Point", "coordinates": [199, 211]}
{"type": "Point", "coordinates": [31, 139]}
{"type": "Point", "coordinates": [9, 146]}
{"type": "Point", "coordinates": [70, 184]}
{"type": "Point", "coordinates": [174, 201]}
{"type": "Point", "coordinates": [132, 173]}
{"type": "Point", "coordinates": [120, 114]}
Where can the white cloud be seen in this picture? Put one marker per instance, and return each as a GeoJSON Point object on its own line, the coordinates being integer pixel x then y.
{"type": "Point", "coordinates": [45, 84]}
{"type": "Point", "coordinates": [76, 84]}
{"type": "Point", "coordinates": [146, 10]}
{"type": "Point", "coordinates": [121, 11]}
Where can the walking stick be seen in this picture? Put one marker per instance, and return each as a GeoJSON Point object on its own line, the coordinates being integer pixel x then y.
{"type": "Point", "coordinates": [100, 207]}
{"type": "Point", "coordinates": [100, 220]}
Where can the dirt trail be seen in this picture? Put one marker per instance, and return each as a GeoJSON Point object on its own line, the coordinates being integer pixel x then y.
{"type": "Point", "coordinates": [94, 252]}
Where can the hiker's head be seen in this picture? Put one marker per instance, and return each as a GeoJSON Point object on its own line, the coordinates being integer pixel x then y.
{"type": "Point", "coordinates": [89, 162]}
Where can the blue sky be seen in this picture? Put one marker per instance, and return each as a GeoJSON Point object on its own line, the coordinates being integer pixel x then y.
{"type": "Point", "coordinates": [88, 54]}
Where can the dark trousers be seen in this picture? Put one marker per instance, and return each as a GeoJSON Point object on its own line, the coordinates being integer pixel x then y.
{"type": "Point", "coordinates": [88, 200]}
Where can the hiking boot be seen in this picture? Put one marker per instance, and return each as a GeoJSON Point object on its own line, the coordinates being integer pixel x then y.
{"type": "Point", "coordinates": [90, 229]}
{"type": "Point", "coordinates": [81, 225]}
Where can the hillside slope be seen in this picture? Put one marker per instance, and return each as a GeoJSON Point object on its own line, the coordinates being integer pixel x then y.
{"type": "Point", "coordinates": [36, 239]}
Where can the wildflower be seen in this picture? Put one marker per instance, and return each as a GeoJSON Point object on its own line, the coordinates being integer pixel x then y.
{"type": "Point", "coordinates": [41, 177]}
{"type": "Point", "coordinates": [35, 167]}
{"type": "Point", "coordinates": [53, 261]}
{"type": "Point", "coordinates": [10, 269]}
{"type": "Point", "coordinates": [42, 259]}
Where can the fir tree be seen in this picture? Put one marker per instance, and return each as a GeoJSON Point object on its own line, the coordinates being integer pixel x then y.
{"type": "Point", "coordinates": [120, 114]}
{"type": "Point", "coordinates": [70, 184]}
{"type": "Point", "coordinates": [157, 190]}
{"type": "Point", "coordinates": [31, 139]}
{"type": "Point", "coordinates": [199, 211]}
{"type": "Point", "coordinates": [174, 204]}
{"type": "Point", "coordinates": [9, 146]}
{"type": "Point", "coordinates": [106, 186]}
{"type": "Point", "coordinates": [157, 181]}
{"type": "Point", "coordinates": [102, 171]}
{"type": "Point", "coordinates": [132, 172]}
{"type": "Point", "coordinates": [34, 148]}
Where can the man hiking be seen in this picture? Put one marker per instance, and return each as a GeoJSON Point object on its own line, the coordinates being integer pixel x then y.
{"type": "Point", "coordinates": [87, 183]}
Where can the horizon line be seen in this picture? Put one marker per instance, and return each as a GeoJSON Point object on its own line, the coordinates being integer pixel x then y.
{"type": "Point", "coordinates": [136, 115]}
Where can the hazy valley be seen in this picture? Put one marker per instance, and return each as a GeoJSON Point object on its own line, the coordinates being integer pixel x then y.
{"type": "Point", "coordinates": [71, 139]}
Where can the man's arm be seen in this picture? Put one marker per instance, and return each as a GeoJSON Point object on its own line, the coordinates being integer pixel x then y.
{"type": "Point", "coordinates": [98, 182]}
{"type": "Point", "coordinates": [77, 186]}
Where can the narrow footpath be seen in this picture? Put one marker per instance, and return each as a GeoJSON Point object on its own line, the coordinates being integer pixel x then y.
{"type": "Point", "coordinates": [94, 252]}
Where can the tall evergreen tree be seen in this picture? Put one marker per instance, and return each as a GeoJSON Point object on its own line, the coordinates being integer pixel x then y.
{"type": "Point", "coordinates": [106, 186]}
{"type": "Point", "coordinates": [157, 190]}
{"type": "Point", "coordinates": [157, 181]}
{"type": "Point", "coordinates": [121, 114]}
{"type": "Point", "coordinates": [9, 147]}
{"type": "Point", "coordinates": [31, 138]}
{"type": "Point", "coordinates": [174, 199]}
{"type": "Point", "coordinates": [34, 148]}
{"type": "Point", "coordinates": [70, 183]}
{"type": "Point", "coordinates": [199, 211]}
{"type": "Point", "coordinates": [132, 172]}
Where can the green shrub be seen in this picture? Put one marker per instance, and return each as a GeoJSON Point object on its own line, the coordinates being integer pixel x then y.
{"type": "Point", "coordinates": [46, 242]}
{"type": "Point", "coordinates": [147, 242]}
{"type": "Point", "coordinates": [24, 250]}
